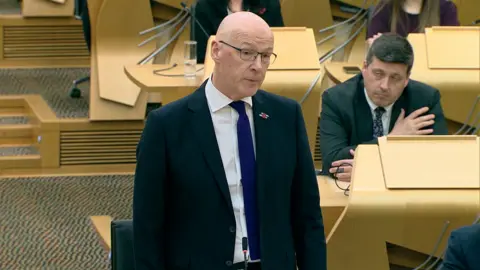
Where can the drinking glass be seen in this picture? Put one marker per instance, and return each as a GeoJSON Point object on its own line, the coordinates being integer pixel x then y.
{"type": "Point", "coordinates": [190, 58]}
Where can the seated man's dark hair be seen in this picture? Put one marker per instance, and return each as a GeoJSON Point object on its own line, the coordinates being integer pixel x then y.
{"type": "Point", "coordinates": [391, 48]}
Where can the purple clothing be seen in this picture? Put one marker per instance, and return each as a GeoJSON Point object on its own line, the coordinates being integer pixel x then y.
{"type": "Point", "coordinates": [380, 22]}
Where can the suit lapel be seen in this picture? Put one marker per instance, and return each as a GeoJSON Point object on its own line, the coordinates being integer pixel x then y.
{"type": "Point", "coordinates": [363, 114]}
{"type": "Point", "coordinates": [204, 132]}
{"type": "Point", "coordinates": [263, 140]}
{"type": "Point", "coordinates": [401, 103]}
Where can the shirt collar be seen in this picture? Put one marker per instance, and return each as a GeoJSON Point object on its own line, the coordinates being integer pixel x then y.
{"type": "Point", "coordinates": [217, 100]}
{"type": "Point", "coordinates": [372, 105]}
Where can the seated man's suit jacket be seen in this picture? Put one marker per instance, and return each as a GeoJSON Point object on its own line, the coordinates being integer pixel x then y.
{"type": "Point", "coordinates": [346, 119]}
{"type": "Point", "coordinates": [182, 210]}
{"type": "Point", "coordinates": [463, 250]}
{"type": "Point", "coordinates": [210, 14]}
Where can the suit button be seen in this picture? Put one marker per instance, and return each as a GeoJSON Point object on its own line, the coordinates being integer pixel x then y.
{"type": "Point", "coordinates": [228, 263]}
{"type": "Point", "coordinates": [232, 229]}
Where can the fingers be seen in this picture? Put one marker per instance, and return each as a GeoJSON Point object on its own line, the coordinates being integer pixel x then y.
{"type": "Point", "coordinates": [417, 113]}
{"type": "Point", "coordinates": [424, 132]}
{"type": "Point", "coordinates": [342, 173]}
{"type": "Point", "coordinates": [425, 118]}
{"type": "Point", "coordinates": [424, 124]}
{"type": "Point", "coordinates": [341, 163]}
{"type": "Point", "coordinates": [344, 177]}
{"type": "Point", "coordinates": [352, 152]}
{"type": "Point", "coordinates": [401, 116]}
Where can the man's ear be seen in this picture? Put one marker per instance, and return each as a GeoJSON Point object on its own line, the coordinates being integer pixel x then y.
{"type": "Point", "coordinates": [364, 67]}
{"type": "Point", "coordinates": [215, 51]}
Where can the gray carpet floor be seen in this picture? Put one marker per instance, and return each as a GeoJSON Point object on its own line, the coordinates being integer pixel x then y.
{"type": "Point", "coordinates": [44, 222]}
{"type": "Point", "coordinates": [53, 84]}
{"type": "Point", "coordinates": [9, 7]}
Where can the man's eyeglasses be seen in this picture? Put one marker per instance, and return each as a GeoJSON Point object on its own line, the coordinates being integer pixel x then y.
{"type": "Point", "coordinates": [251, 55]}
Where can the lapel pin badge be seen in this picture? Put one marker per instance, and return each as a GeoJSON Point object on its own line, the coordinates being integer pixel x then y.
{"type": "Point", "coordinates": [263, 115]}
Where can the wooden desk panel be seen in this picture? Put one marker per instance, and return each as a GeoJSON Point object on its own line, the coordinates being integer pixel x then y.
{"type": "Point", "coordinates": [410, 218]}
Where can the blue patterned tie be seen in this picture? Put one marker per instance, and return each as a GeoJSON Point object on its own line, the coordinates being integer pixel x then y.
{"type": "Point", "coordinates": [377, 122]}
{"type": "Point", "coordinates": [247, 165]}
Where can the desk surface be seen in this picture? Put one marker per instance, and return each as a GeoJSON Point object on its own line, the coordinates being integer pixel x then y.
{"type": "Point", "coordinates": [330, 194]}
{"type": "Point", "coordinates": [144, 76]}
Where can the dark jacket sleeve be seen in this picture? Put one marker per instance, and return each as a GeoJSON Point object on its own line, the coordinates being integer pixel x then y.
{"type": "Point", "coordinates": [306, 215]}
{"type": "Point", "coordinates": [454, 258]}
{"type": "Point", "coordinates": [448, 14]}
{"type": "Point", "coordinates": [334, 142]}
{"type": "Point", "coordinates": [379, 21]}
{"type": "Point", "coordinates": [274, 12]}
{"type": "Point", "coordinates": [148, 196]}
{"type": "Point", "coordinates": [204, 13]}
{"type": "Point", "coordinates": [440, 126]}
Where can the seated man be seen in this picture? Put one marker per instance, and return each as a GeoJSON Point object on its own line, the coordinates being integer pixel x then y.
{"type": "Point", "coordinates": [463, 250]}
{"type": "Point", "coordinates": [381, 100]}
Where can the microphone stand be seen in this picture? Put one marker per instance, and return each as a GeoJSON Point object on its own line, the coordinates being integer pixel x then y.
{"type": "Point", "coordinates": [192, 13]}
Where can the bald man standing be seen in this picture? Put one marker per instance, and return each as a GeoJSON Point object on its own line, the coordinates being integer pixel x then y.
{"type": "Point", "coordinates": [225, 177]}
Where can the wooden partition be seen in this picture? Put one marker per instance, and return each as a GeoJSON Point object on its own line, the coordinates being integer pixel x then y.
{"type": "Point", "coordinates": [42, 42]}
{"type": "Point", "coordinates": [114, 44]}
{"type": "Point", "coordinates": [306, 13]}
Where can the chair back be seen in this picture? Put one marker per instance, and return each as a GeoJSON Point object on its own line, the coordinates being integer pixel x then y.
{"type": "Point", "coordinates": [122, 257]}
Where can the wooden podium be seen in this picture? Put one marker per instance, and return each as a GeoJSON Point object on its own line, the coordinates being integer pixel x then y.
{"type": "Point", "coordinates": [403, 191]}
{"type": "Point", "coordinates": [295, 69]}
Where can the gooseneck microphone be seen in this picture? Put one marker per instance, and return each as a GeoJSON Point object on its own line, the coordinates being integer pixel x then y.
{"type": "Point", "coordinates": [191, 11]}
{"type": "Point", "coordinates": [245, 249]}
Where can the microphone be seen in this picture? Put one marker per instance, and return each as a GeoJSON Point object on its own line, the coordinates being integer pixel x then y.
{"type": "Point", "coordinates": [477, 220]}
{"type": "Point", "coordinates": [437, 245]}
{"type": "Point", "coordinates": [245, 249]}
{"type": "Point", "coordinates": [194, 18]}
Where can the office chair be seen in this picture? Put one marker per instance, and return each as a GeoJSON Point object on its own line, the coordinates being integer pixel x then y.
{"type": "Point", "coordinates": [122, 256]}
{"type": "Point", "coordinates": [75, 92]}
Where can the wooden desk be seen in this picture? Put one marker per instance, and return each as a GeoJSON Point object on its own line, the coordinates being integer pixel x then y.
{"type": "Point", "coordinates": [101, 224]}
{"type": "Point", "coordinates": [332, 201]}
{"type": "Point", "coordinates": [409, 218]}
{"type": "Point", "coordinates": [172, 87]}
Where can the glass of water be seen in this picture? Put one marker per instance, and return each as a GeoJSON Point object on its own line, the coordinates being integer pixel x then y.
{"type": "Point", "coordinates": [190, 58]}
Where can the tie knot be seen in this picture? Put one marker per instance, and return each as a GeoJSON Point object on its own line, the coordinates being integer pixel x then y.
{"type": "Point", "coordinates": [379, 111]}
{"type": "Point", "coordinates": [239, 106]}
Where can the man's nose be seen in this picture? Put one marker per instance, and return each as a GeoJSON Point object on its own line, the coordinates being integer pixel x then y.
{"type": "Point", "coordinates": [384, 84]}
{"type": "Point", "coordinates": [257, 62]}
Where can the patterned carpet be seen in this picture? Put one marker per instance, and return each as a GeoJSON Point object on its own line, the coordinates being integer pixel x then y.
{"type": "Point", "coordinates": [44, 222]}
{"type": "Point", "coordinates": [53, 84]}
{"type": "Point", "coordinates": [9, 7]}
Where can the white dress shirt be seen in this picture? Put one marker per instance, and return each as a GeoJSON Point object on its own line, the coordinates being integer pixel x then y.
{"type": "Point", "coordinates": [224, 120]}
{"type": "Point", "coordinates": [386, 117]}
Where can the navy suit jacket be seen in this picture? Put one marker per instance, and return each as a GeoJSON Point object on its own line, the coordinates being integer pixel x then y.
{"type": "Point", "coordinates": [463, 250]}
{"type": "Point", "coordinates": [182, 211]}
